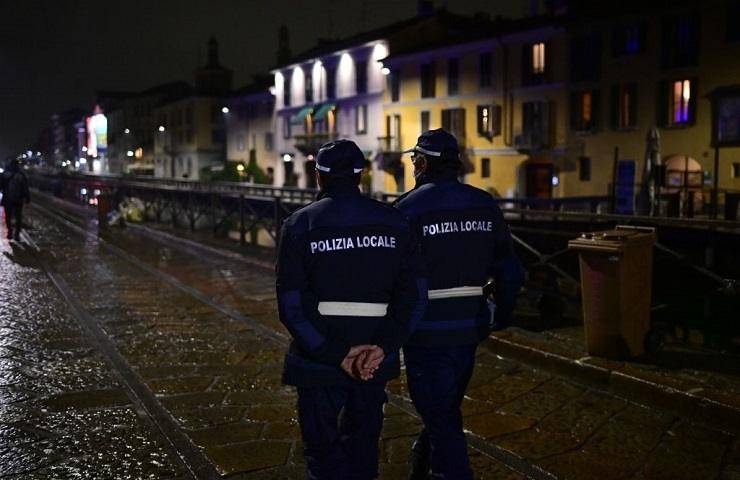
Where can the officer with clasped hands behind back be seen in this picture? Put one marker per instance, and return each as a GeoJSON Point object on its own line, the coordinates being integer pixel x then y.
{"type": "Point", "coordinates": [350, 290]}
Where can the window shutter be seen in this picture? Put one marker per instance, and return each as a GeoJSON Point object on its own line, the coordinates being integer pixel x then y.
{"type": "Point", "coordinates": [574, 111]}
{"type": "Point", "coordinates": [661, 112]}
{"type": "Point", "coordinates": [550, 123]}
{"type": "Point", "coordinates": [632, 120]}
{"type": "Point", "coordinates": [693, 101]}
{"type": "Point", "coordinates": [614, 107]}
{"type": "Point", "coordinates": [496, 117]}
{"type": "Point", "coordinates": [479, 117]}
{"type": "Point", "coordinates": [595, 110]}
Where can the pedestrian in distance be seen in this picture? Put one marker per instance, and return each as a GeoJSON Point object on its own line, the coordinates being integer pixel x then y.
{"type": "Point", "coordinates": [464, 243]}
{"type": "Point", "coordinates": [14, 186]}
{"type": "Point", "coordinates": [350, 288]}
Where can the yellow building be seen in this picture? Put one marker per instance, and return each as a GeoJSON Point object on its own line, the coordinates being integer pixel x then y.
{"type": "Point", "coordinates": [544, 105]}
{"type": "Point", "coordinates": [475, 91]}
{"type": "Point", "coordinates": [656, 68]}
{"type": "Point", "coordinates": [190, 136]}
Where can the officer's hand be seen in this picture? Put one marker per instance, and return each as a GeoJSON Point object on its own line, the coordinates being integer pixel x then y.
{"type": "Point", "coordinates": [349, 361]}
{"type": "Point", "coordinates": [373, 359]}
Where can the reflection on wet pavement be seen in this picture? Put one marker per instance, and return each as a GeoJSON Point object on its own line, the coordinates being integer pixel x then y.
{"type": "Point", "coordinates": [220, 381]}
{"type": "Point", "coordinates": [62, 412]}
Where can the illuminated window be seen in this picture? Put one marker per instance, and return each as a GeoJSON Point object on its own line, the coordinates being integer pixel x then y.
{"type": "Point", "coordinates": [489, 120]}
{"type": "Point", "coordinates": [534, 64]}
{"type": "Point", "coordinates": [624, 106]}
{"type": "Point", "coordinates": [538, 58]}
{"type": "Point", "coordinates": [680, 104]}
{"type": "Point", "coordinates": [584, 110]}
{"type": "Point", "coordinates": [736, 170]}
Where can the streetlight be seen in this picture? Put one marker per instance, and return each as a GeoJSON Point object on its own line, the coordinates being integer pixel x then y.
{"type": "Point", "coordinates": [161, 128]}
{"type": "Point", "coordinates": [126, 131]}
{"type": "Point", "coordinates": [225, 110]}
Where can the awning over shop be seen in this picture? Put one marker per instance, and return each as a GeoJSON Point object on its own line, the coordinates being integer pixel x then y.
{"type": "Point", "coordinates": [323, 111]}
{"type": "Point", "coordinates": [300, 117]}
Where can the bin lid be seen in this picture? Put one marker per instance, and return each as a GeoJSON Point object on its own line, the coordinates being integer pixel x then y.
{"type": "Point", "coordinates": [615, 240]}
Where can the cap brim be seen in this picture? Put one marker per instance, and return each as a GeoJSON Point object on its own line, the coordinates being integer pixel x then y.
{"type": "Point", "coordinates": [410, 150]}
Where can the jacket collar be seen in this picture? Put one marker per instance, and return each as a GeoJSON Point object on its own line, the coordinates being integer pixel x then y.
{"type": "Point", "coordinates": [339, 189]}
{"type": "Point", "coordinates": [436, 177]}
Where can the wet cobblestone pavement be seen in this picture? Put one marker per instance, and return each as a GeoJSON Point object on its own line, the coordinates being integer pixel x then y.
{"type": "Point", "coordinates": [218, 378]}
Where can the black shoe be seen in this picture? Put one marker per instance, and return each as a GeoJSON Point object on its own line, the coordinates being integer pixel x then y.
{"type": "Point", "coordinates": [419, 468]}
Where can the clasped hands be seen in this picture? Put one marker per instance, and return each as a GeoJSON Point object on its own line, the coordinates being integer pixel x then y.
{"type": "Point", "coordinates": [362, 361]}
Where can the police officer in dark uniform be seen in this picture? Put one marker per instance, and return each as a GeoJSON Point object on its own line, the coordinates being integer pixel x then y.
{"type": "Point", "coordinates": [350, 289]}
{"type": "Point", "coordinates": [465, 243]}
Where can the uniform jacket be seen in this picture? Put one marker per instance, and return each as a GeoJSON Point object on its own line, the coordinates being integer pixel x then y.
{"type": "Point", "coordinates": [345, 247]}
{"type": "Point", "coordinates": [464, 243]}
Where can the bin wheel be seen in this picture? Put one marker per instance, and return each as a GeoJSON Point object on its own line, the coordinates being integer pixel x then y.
{"type": "Point", "coordinates": [655, 340]}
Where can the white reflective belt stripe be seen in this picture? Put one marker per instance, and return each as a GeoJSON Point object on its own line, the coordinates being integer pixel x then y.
{"type": "Point", "coordinates": [353, 309]}
{"type": "Point", "coordinates": [455, 292]}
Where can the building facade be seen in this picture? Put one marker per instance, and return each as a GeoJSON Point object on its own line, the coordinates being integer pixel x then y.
{"type": "Point", "coordinates": [655, 67]}
{"type": "Point", "coordinates": [336, 90]}
{"type": "Point", "coordinates": [330, 96]}
{"type": "Point", "coordinates": [190, 136]}
{"type": "Point", "coordinates": [561, 105]}
{"type": "Point", "coordinates": [250, 137]}
{"type": "Point", "coordinates": [132, 127]}
{"type": "Point", "coordinates": [64, 139]}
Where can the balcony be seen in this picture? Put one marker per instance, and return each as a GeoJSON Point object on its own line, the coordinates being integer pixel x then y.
{"type": "Point", "coordinates": [532, 140]}
{"type": "Point", "coordinates": [389, 154]}
{"type": "Point", "coordinates": [310, 144]}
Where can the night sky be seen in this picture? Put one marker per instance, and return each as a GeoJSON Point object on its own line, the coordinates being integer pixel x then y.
{"type": "Point", "coordinates": [55, 53]}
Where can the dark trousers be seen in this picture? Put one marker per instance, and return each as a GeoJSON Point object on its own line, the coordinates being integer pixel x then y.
{"type": "Point", "coordinates": [13, 211]}
{"type": "Point", "coordinates": [340, 427]}
{"type": "Point", "coordinates": [437, 379]}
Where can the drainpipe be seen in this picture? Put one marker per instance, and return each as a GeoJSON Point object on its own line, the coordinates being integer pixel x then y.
{"type": "Point", "coordinates": [506, 107]}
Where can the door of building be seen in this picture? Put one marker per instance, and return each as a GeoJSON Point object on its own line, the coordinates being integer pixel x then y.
{"type": "Point", "coordinates": [539, 180]}
{"type": "Point", "coordinates": [310, 169]}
